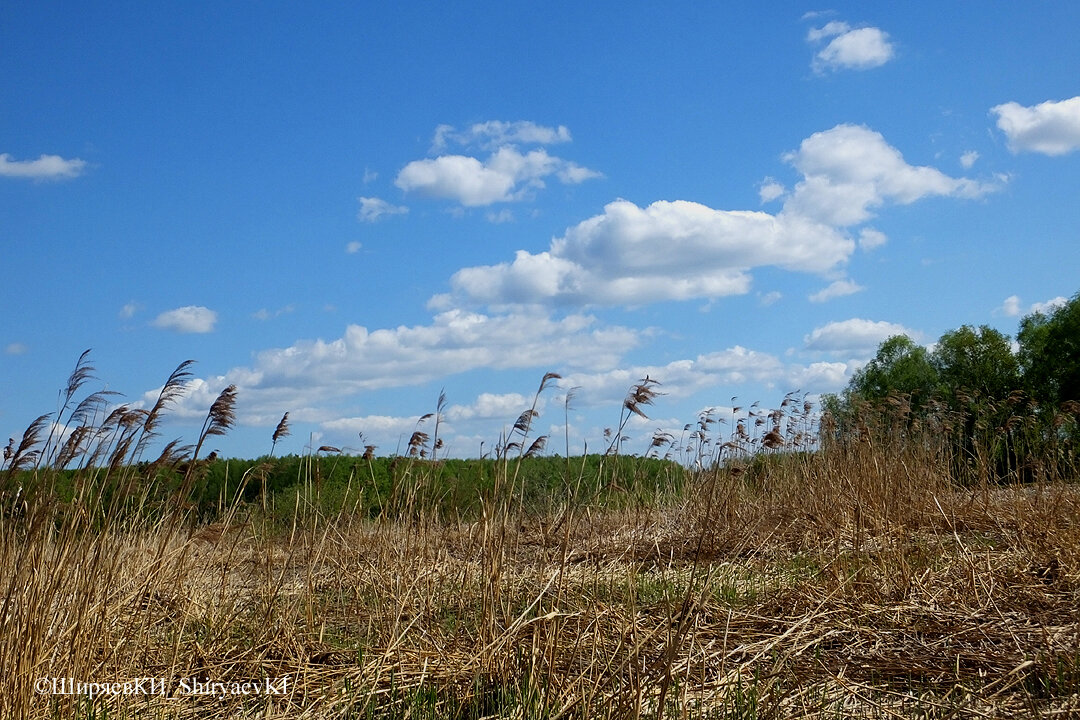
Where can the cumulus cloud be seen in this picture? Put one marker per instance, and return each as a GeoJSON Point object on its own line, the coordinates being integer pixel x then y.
{"type": "Point", "coordinates": [968, 159]}
{"type": "Point", "coordinates": [680, 250]}
{"type": "Point", "coordinates": [666, 251]}
{"type": "Point", "coordinates": [316, 371]}
{"type": "Point", "coordinates": [1012, 307]}
{"type": "Point", "coordinates": [188, 319]}
{"type": "Point", "coordinates": [850, 48]}
{"type": "Point", "coordinates": [1050, 128]}
{"type": "Point", "coordinates": [507, 175]}
{"type": "Point", "coordinates": [851, 170]}
{"type": "Point", "coordinates": [46, 167]}
{"type": "Point", "coordinates": [839, 288]}
{"type": "Point", "coordinates": [373, 208]}
{"type": "Point", "coordinates": [853, 337]}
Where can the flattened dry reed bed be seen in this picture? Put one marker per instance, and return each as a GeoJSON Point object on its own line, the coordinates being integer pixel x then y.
{"type": "Point", "coordinates": [795, 588]}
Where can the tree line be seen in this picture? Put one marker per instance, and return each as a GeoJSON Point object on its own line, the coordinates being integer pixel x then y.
{"type": "Point", "coordinates": [1002, 410]}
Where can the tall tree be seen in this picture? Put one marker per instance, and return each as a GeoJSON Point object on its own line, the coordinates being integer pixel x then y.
{"type": "Point", "coordinates": [902, 367]}
{"type": "Point", "coordinates": [978, 364]}
{"type": "Point", "coordinates": [1050, 354]}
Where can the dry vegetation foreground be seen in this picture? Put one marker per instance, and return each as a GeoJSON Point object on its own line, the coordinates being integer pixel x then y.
{"type": "Point", "coordinates": [809, 588]}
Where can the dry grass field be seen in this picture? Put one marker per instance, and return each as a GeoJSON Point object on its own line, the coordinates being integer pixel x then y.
{"type": "Point", "coordinates": [856, 579]}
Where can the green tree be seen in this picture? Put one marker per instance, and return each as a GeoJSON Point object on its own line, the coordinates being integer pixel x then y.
{"type": "Point", "coordinates": [901, 367]}
{"type": "Point", "coordinates": [1050, 354]}
{"type": "Point", "coordinates": [976, 364]}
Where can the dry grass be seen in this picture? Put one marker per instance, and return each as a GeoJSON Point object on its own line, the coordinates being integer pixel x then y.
{"type": "Point", "coordinates": [803, 591]}
{"type": "Point", "coordinates": [853, 580]}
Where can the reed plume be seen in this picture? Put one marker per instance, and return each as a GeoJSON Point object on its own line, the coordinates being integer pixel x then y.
{"type": "Point", "coordinates": [281, 431]}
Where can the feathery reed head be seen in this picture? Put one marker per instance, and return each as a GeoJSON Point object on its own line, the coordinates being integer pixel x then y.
{"type": "Point", "coordinates": [222, 414]}
{"type": "Point", "coordinates": [282, 429]}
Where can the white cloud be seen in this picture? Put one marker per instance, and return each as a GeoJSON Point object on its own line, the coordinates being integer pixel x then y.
{"type": "Point", "coordinates": [46, 167]}
{"type": "Point", "coordinates": [1050, 128]}
{"type": "Point", "coordinates": [189, 319]}
{"type": "Point", "coordinates": [129, 310]}
{"type": "Point", "coordinates": [869, 238]}
{"type": "Point", "coordinates": [667, 251]}
{"type": "Point", "coordinates": [770, 190]}
{"type": "Point", "coordinates": [830, 29]}
{"type": "Point", "coordinates": [316, 371]}
{"type": "Point", "coordinates": [1012, 306]}
{"type": "Point", "coordinates": [850, 170]}
{"type": "Point", "coordinates": [506, 176]}
{"type": "Point", "coordinates": [1049, 306]}
{"type": "Point", "coordinates": [354, 247]}
{"type": "Point", "coordinates": [16, 348]}
{"type": "Point", "coordinates": [839, 288]}
{"type": "Point", "coordinates": [491, 406]}
{"type": "Point", "coordinates": [373, 208]}
{"type": "Point", "coordinates": [968, 159]}
{"type": "Point", "coordinates": [851, 49]}
{"type": "Point", "coordinates": [680, 250]}
{"type": "Point", "coordinates": [853, 337]}
{"type": "Point", "coordinates": [372, 425]}
{"type": "Point", "coordinates": [496, 133]}
{"type": "Point", "coordinates": [820, 377]}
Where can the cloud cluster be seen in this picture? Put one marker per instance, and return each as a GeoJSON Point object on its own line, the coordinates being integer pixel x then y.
{"type": "Point", "coordinates": [1050, 128]}
{"type": "Point", "coordinates": [188, 319]}
{"type": "Point", "coordinates": [313, 371]}
{"type": "Point", "coordinates": [850, 48]}
{"type": "Point", "coordinates": [506, 174]}
{"type": "Point", "coordinates": [678, 250]}
{"type": "Point", "coordinates": [46, 167]}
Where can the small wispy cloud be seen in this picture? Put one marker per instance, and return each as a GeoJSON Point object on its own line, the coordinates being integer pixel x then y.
{"type": "Point", "coordinates": [373, 208]}
{"type": "Point", "coordinates": [265, 314]}
{"type": "Point", "coordinates": [968, 159]}
{"type": "Point", "coordinates": [839, 288]}
{"type": "Point", "coordinates": [869, 238]}
{"type": "Point", "coordinates": [46, 167]}
{"type": "Point", "coordinates": [770, 190]}
{"type": "Point", "coordinates": [497, 133]}
{"type": "Point", "coordinates": [354, 247]}
{"type": "Point", "coordinates": [16, 348]}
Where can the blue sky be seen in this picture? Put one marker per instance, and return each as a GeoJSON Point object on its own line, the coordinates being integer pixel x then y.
{"type": "Point", "coordinates": [344, 210]}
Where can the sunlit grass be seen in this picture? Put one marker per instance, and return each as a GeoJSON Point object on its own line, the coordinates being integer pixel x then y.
{"type": "Point", "coordinates": [854, 579]}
